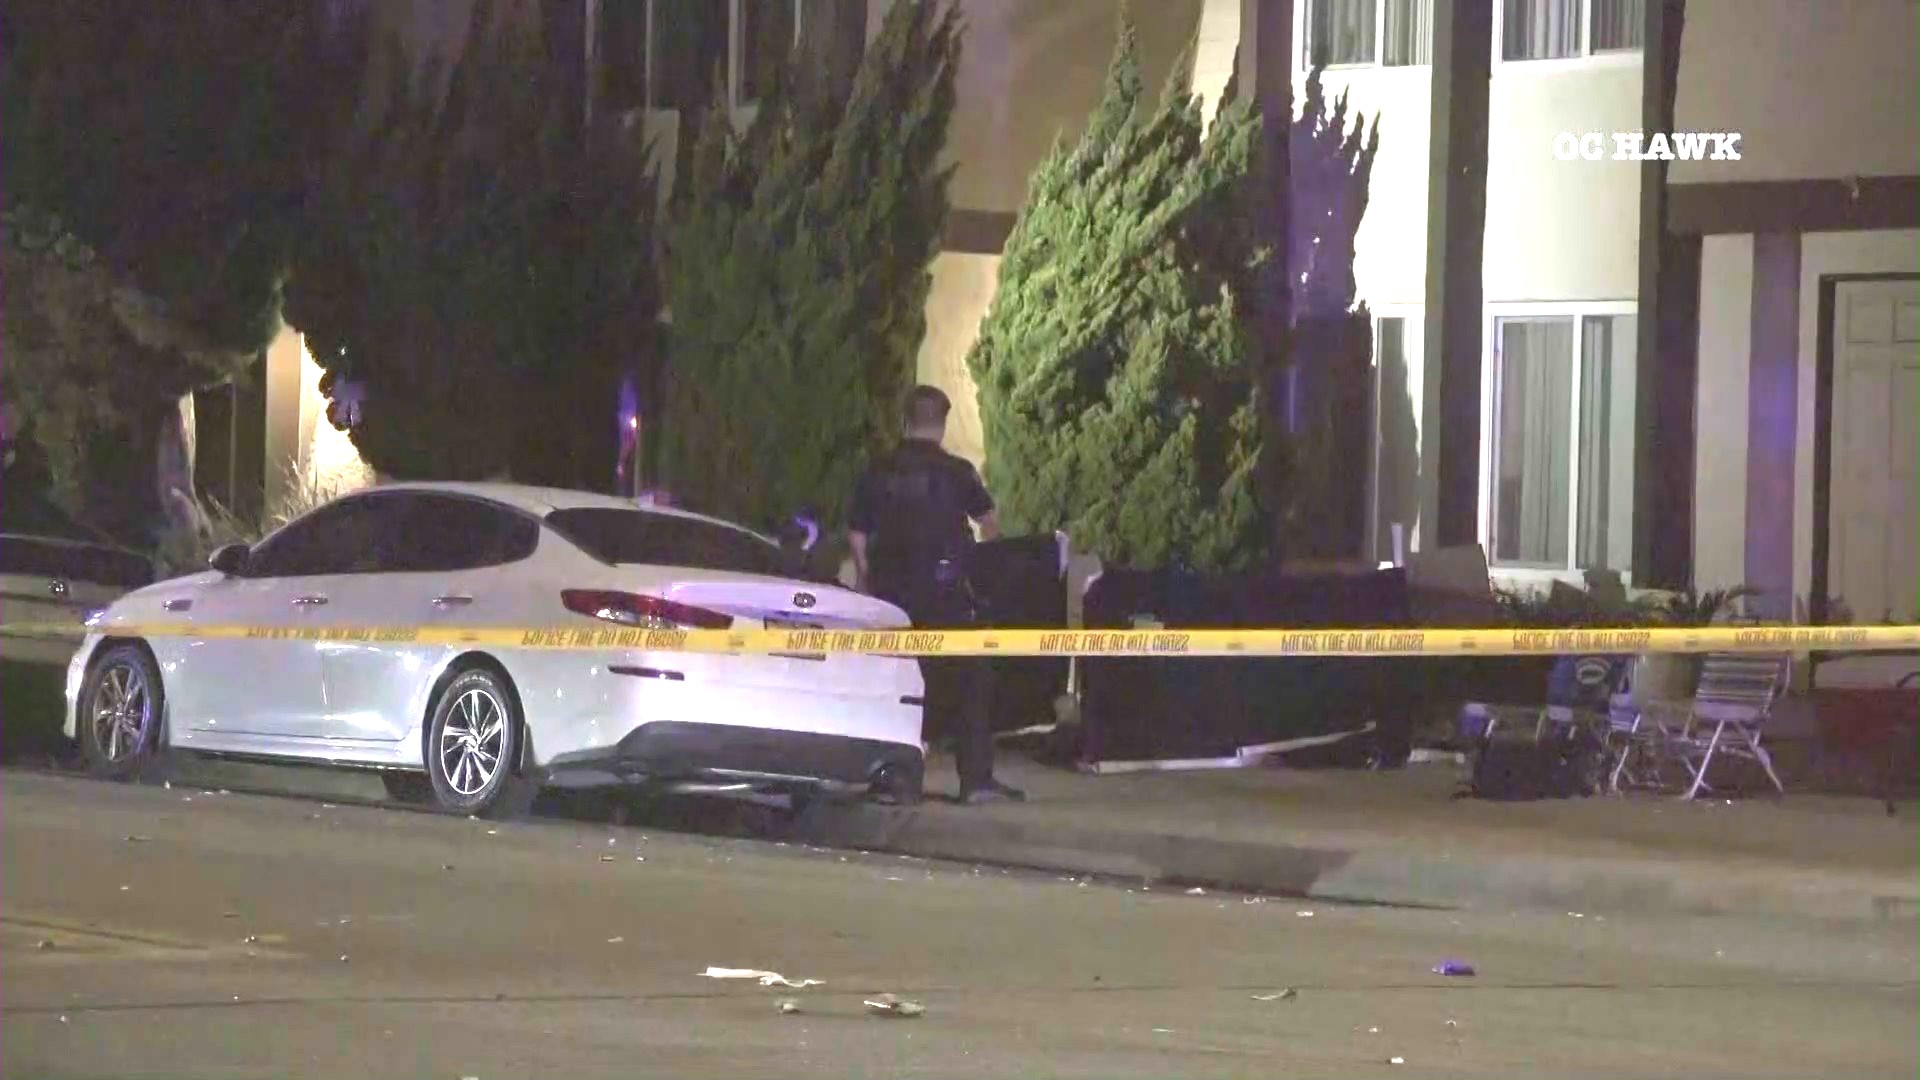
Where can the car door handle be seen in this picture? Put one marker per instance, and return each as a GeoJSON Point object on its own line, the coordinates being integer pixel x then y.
{"type": "Point", "coordinates": [178, 605]}
{"type": "Point", "coordinates": [309, 601]}
{"type": "Point", "coordinates": [452, 601]}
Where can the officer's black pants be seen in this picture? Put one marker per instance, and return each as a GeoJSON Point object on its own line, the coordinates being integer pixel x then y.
{"type": "Point", "coordinates": [959, 700]}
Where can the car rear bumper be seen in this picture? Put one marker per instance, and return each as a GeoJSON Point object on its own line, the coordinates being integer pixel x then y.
{"type": "Point", "coordinates": [674, 750]}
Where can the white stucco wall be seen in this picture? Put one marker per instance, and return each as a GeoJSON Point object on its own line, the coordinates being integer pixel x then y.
{"type": "Point", "coordinates": [1556, 230]}
{"type": "Point", "coordinates": [963, 288]}
{"type": "Point", "coordinates": [1560, 230]}
{"type": "Point", "coordinates": [1819, 89]}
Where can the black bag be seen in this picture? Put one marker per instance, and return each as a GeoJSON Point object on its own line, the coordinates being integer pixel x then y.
{"type": "Point", "coordinates": [1547, 761]}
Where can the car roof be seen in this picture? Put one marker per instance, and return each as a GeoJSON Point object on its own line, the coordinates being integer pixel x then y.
{"type": "Point", "coordinates": [541, 501]}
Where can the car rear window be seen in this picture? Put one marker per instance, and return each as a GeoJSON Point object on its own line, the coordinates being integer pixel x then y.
{"type": "Point", "coordinates": [636, 536]}
{"type": "Point", "coordinates": [29, 556]}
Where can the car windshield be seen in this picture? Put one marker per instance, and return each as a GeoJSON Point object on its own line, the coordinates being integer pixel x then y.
{"type": "Point", "coordinates": [614, 535]}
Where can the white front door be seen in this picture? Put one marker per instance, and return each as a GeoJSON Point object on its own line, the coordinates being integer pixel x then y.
{"type": "Point", "coordinates": [1876, 408]}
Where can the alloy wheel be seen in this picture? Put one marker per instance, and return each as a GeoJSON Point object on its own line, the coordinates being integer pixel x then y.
{"type": "Point", "coordinates": [122, 712]}
{"type": "Point", "coordinates": [472, 741]}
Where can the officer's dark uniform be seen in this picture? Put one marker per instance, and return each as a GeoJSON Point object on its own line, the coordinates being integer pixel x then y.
{"type": "Point", "coordinates": [916, 507]}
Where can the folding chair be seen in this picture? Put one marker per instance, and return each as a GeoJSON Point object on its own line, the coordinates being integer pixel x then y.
{"type": "Point", "coordinates": [1633, 745]}
{"type": "Point", "coordinates": [1727, 715]}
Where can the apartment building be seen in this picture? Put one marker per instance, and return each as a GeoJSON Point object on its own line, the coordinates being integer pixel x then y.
{"type": "Point", "coordinates": [1770, 441]}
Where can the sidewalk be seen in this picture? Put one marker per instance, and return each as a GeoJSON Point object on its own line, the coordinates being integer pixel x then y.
{"type": "Point", "coordinates": [1399, 838]}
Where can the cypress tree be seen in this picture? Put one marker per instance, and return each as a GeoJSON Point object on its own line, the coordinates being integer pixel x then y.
{"type": "Point", "coordinates": [1115, 391]}
{"type": "Point", "coordinates": [476, 272]}
{"type": "Point", "coordinates": [797, 276]}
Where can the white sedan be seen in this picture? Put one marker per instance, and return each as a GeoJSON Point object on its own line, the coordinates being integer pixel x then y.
{"type": "Point", "coordinates": [479, 730]}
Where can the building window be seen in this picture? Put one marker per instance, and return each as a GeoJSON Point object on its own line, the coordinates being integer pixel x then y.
{"type": "Point", "coordinates": [671, 54]}
{"type": "Point", "coordinates": [689, 53]}
{"type": "Point", "coordinates": [1391, 33]}
{"type": "Point", "coordinates": [767, 36]}
{"type": "Point", "coordinates": [1564, 29]}
{"type": "Point", "coordinates": [1561, 495]}
{"type": "Point", "coordinates": [620, 47]}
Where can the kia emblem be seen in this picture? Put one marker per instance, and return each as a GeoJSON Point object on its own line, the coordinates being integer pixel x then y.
{"type": "Point", "coordinates": [803, 600]}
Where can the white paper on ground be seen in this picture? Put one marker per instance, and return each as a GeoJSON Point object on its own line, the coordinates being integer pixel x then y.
{"type": "Point", "coordinates": [1286, 746]}
{"type": "Point", "coordinates": [766, 978]}
{"type": "Point", "coordinates": [1244, 757]}
{"type": "Point", "coordinates": [1104, 768]}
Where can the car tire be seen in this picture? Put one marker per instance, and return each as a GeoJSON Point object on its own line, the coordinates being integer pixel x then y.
{"type": "Point", "coordinates": [408, 787]}
{"type": "Point", "coordinates": [119, 713]}
{"type": "Point", "coordinates": [473, 748]}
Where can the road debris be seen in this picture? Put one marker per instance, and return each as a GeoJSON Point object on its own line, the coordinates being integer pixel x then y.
{"type": "Point", "coordinates": [788, 1006]}
{"type": "Point", "coordinates": [343, 958]}
{"type": "Point", "coordinates": [1396, 1061]}
{"type": "Point", "coordinates": [1196, 891]}
{"type": "Point", "coordinates": [44, 944]}
{"type": "Point", "coordinates": [229, 914]}
{"type": "Point", "coordinates": [1285, 995]}
{"type": "Point", "coordinates": [1453, 968]}
{"type": "Point", "coordinates": [606, 858]}
{"type": "Point", "coordinates": [891, 1005]}
{"type": "Point", "coordinates": [139, 839]}
{"type": "Point", "coordinates": [251, 939]}
{"type": "Point", "coordinates": [766, 978]}
{"type": "Point", "coordinates": [616, 940]}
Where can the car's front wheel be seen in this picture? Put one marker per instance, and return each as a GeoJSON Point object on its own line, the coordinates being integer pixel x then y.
{"type": "Point", "coordinates": [473, 747]}
{"type": "Point", "coordinates": [119, 713]}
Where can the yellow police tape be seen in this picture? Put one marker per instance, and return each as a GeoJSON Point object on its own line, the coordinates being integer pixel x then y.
{"type": "Point", "coordinates": [1146, 642]}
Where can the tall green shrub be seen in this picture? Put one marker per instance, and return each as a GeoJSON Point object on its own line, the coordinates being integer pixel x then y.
{"type": "Point", "coordinates": [797, 277]}
{"type": "Point", "coordinates": [152, 183]}
{"type": "Point", "coordinates": [1115, 391]}
{"type": "Point", "coordinates": [475, 274]}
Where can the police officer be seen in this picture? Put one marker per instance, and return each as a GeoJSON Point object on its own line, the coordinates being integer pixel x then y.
{"type": "Point", "coordinates": [910, 532]}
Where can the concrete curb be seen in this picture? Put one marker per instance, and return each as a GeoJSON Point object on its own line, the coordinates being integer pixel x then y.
{"type": "Point", "coordinates": [1376, 876]}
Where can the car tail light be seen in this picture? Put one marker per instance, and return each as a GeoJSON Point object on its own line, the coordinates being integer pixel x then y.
{"type": "Point", "coordinates": [645, 612]}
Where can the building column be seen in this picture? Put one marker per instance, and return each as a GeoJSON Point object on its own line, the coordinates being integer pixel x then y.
{"type": "Point", "coordinates": [1456, 240]}
{"type": "Point", "coordinates": [1264, 72]}
{"type": "Point", "coordinates": [1773, 412]}
{"type": "Point", "coordinates": [1667, 361]}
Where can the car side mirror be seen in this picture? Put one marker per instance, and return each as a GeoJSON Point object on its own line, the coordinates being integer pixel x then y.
{"type": "Point", "coordinates": [230, 560]}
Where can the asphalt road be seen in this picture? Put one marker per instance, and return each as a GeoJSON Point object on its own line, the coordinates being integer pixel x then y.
{"type": "Point", "coordinates": [150, 932]}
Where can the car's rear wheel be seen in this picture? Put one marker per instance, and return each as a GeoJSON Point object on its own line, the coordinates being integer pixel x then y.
{"type": "Point", "coordinates": [119, 711]}
{"type": "Point", "coordinates": [473, 748]}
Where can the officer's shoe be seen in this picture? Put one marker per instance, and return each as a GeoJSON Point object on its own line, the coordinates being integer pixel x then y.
{"type": "Point", "coordinates": [992, 792]}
